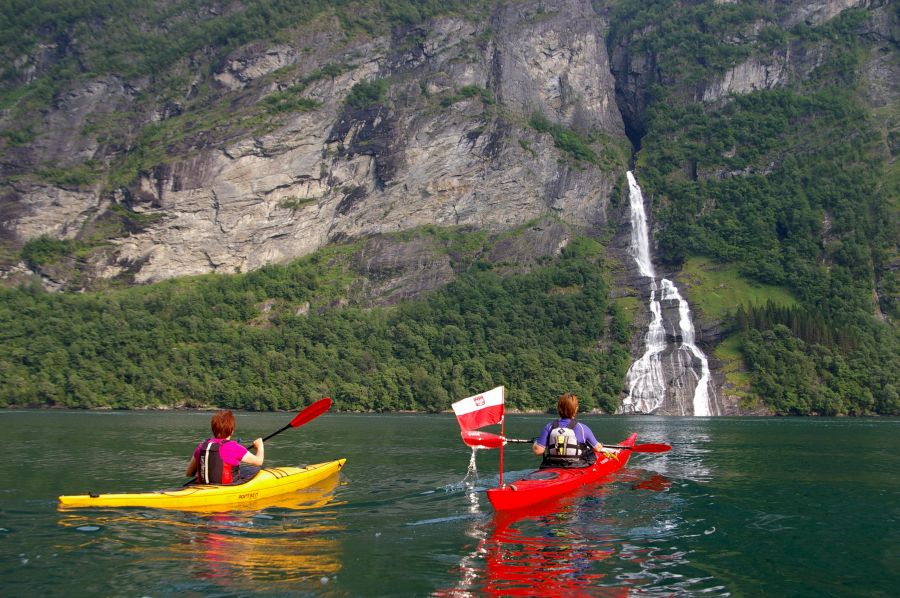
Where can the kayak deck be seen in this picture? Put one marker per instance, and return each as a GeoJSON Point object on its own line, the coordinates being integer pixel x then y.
{"type": "Point", "coordinates": [544, 484]}
{"type": "Point", "coordinates": [269, 482]}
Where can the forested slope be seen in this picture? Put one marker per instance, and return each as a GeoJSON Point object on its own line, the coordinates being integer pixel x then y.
{"type": "Point", "coordinates": [273, 339]}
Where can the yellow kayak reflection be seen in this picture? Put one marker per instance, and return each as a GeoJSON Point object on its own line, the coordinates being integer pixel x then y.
{"type": "Point", "coordinates": [289, 542]}
{"type": "Point", "coordinates": [300, 549]}
{"type": "Point", "coordinates": [305, 554]}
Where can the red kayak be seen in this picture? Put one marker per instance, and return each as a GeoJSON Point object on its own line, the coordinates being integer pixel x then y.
{"type": "Point", "coordinates": [544, 484]}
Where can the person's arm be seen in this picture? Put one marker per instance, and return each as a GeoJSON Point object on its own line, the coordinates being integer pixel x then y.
{"type": "Point", "coordinates": [192, 467]}
{"type": "Point", "coordinates": [257, 459]}
{"type": "Point", "coordinates": [604, 452]}
{"type": "Point", "coordinates": [540, 443]}
{"type": "Point", "coordinates": [590, 440]}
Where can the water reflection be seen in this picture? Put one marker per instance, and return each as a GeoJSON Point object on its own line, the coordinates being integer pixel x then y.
{"type": "Point", "coordinates": [692, 443]}
{"type": "Point", "coordinates": [551, 553]}
{"type": "Point", "coordinates": [563, 547]}
{"type": "Point", "coordinates": [288, 542]}
{"type": "Point", "coordinates": [295, 553]}
{"type": "Point", "coordinates": [615, 539]}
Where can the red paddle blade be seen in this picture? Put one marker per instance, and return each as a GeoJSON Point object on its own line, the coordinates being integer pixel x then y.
{"type": "Point", "coordinates": [480, 439]}
{"type": "Point", "coordinates": [311, 412]}
{"type": "Point", "coordinates": [651, 448]}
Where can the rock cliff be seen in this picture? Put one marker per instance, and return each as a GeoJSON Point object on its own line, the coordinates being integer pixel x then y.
{"type": "Point", "coordinates": [423, 153]}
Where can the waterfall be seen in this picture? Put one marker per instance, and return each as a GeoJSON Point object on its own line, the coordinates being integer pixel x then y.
{"type": "Point", "coordinates": [666, 373]}
{"type": "Point", "coordinates": [640, 232]}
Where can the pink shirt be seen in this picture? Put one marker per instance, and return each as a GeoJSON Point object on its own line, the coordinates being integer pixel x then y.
{"type": "Point", "coordinates": [230, 451]}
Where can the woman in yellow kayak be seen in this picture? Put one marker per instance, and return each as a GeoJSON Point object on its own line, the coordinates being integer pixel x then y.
{"type": "Point", "coordinates": [565, 442]}
{"type": "Point", "coordinates": [217, 460]}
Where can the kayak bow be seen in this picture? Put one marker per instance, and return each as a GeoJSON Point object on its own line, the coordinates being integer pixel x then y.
{"type": "Point", "coordinates": [269, 482]}
{"type": "Point", "coordinates": [545, 484]}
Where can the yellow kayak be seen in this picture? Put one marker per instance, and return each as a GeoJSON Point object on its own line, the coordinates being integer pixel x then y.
{"type": "Point", "coordinates": [269, 482]}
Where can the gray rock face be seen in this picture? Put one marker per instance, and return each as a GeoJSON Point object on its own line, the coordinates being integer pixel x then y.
{"type": "Point", "coordinates": [422, 155]}
{"type": "Point", "coordinates": [340, 172]}
{"type": "Point", "coordinates": [795, 62]}
{"type": "Point", "coordinates": [402, 163]}
{"type": "Point", "coordinates": [779, 69]}
{"type": "Point", "coordinates": [555, 62]}
{"type": "Point", "coordinates": [396, 271]}
{"type": "Point", "coordinates": [634, 74]}
{"type": "Point", "coordinates": [48, 210]}
{"type": "Point", "coordinates": [746, 77]}
{"type": "Point", "coordinates": [816, 12]}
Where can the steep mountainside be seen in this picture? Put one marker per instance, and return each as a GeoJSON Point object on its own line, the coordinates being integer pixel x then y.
{"type": "Point", "coordinates": [145, 141]}
{"type": "Point", "coordinates": [324, 136]}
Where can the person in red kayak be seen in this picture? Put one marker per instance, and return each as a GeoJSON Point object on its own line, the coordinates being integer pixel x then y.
{"type": "Point", "coordinates": [217, 460]}
{"type": "Point", "coordinates": [565, 442]}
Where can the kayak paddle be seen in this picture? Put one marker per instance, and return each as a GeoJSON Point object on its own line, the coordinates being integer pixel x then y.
{"type": "Point", "coordinates": [304, 417]}
{"type": "Point", "coordinates": [479, 439]}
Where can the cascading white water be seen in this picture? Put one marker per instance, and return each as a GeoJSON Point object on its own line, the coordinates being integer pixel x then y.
{"type": "Point", "coordinates": [686, 326]}
{"type": "Point", "coordinates": [662, 365]}
{"type": "Point", "coordinates": [640, 232]}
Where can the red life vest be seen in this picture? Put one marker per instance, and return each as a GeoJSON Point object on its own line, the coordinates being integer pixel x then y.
{"type": "Point", "coordinates": [211, 469]}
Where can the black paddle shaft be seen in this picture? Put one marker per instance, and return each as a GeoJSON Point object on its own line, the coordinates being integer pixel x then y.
{"type": "Point", "coordinates": [273, 434]}
{"type": "Point", "coordinates": [525, 440]}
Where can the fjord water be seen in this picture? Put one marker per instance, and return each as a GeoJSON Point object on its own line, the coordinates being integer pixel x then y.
{"type": "Point", "coordinates": [740, 507]}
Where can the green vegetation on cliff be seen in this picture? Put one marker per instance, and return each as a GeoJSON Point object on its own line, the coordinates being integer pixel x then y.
{"type": "Point", "coordinates": [272, 339]}
{"type": "Point", "coordinates": [135, 38]}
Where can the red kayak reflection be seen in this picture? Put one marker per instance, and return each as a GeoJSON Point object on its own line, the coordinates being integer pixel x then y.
{"type": "Point", "coordinates": [556, 548]}
{"type": "Point", "coordinates": [540, 551]}
{"type": "Point", "coordinates": [655, 482]}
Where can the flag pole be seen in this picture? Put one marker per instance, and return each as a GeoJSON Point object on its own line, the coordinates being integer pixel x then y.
{"type": "Point", "coordinates": [502, 425]}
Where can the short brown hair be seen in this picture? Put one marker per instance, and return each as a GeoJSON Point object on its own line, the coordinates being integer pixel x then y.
{"type": "Point", "coordinates": [222, 424]}
{"type": "Point", "coordinates": [567, 406]}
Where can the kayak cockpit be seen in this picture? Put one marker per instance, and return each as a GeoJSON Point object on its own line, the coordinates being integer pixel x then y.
{"type": "Point", "coordinates": [542, 475]}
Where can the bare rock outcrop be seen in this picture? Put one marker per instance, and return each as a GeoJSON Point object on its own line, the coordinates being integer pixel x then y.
{"type": "Point", "coordinates": [421, 155]}
{"type": "Point", "coordinates": [816, 12]}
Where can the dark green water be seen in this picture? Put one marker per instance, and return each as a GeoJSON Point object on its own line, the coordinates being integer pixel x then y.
{"type": "Point", "coordinates": [740, 507]}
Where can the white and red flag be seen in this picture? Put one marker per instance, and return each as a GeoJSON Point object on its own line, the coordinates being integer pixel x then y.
{"type": "Point", "coordinates": [481, 410]}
